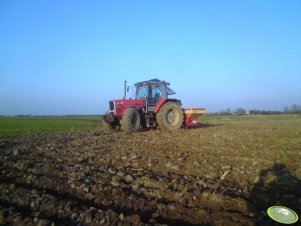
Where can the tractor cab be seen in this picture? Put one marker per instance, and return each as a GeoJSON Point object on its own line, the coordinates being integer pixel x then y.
{"type": "Point", "coordinates": [152, 91]}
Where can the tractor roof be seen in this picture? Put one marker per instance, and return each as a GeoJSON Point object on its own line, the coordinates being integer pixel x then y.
{"type": "Point", "coordinates": [151, 81]}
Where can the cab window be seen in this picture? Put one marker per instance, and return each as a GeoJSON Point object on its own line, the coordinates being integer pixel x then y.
{"type": "Point", "coordinates": [141, 92]}
{"type": "Point", "coordinates": [155, 94]}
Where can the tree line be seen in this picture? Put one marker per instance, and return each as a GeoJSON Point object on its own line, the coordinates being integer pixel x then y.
{"type": "Point", "coordinates": [293, 109]}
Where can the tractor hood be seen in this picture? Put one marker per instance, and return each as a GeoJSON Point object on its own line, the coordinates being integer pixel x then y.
{"type": "Point", "coordinates": [121, 105]}
{"type": "Point", "coordinates": [129, 103]}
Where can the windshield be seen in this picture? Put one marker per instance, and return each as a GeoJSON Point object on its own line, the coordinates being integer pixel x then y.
{"type": "Point", "coordinates": [141, 92]}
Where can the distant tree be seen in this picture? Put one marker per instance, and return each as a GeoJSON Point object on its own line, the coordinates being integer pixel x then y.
{"type": "Point", "coordinates": [23, 115]}
{"type": "Point", "coordinates": [241, 111]}
{"type": "Point", "coordinates": [286, 110]}
{"type": "Point", "coordinates": [254, 112]}
{"type": "Point", "coordinates": [295, 109]}
{"type": "Point", "coordinates": [264, 112]}
{"type": "Point", "coordinates": [226, 112]}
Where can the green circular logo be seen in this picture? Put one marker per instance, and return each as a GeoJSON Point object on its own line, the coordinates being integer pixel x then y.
{"type": "Point", "coordinates": [282, 214]}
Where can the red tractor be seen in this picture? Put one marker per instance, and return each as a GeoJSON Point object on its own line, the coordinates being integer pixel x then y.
{"type": "Point", "coordinates": [151, 107]}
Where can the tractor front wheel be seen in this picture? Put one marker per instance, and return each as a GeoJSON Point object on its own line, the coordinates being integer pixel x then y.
{"type": "Point", "coordinates": [110, 126]}
{"type": "Point", "coordinates": [130, 121]}
{"type": "Point", "coordinates": [110, 123]}
{"type": "Point", "coordinates": [170, 116]}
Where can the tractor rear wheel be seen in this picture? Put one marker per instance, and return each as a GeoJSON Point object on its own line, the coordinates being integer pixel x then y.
{"type": "Point", "coordinates": [130, 121]}
{"type": "Point", "coordinates": [170, 116]}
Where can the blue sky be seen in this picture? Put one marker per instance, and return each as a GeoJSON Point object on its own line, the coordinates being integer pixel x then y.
{"type": "Point", "coordinates": [71, 57]}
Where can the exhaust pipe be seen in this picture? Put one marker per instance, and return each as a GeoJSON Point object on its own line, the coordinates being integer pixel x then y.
{"type": "Point", "coordinates": [124, 96]}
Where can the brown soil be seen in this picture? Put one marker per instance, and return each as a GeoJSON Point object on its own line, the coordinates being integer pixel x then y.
{"type": "Point", "coordinates": [225, 174]}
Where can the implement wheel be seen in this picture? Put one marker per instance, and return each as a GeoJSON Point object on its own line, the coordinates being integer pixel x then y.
{"type": "Point", "coordinates": [130, 121]}
{"type": "Point", "coordinates": [170, 116]}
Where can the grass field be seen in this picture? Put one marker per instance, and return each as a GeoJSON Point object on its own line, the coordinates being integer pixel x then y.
{"type": "Point", "coordinates": [10, 126]}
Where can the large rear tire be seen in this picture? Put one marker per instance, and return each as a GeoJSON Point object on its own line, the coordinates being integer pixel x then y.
{"type": "Point", "coordinates": [131, 120]}
{"type": "Point", "coordinates": [170, 116]}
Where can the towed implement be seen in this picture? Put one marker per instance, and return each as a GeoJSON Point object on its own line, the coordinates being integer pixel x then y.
{"type": "Point", "coordinates": [151, 107]}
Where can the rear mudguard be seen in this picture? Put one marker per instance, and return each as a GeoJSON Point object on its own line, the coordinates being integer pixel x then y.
{"type": "Point", "coordinates": [163, 101]}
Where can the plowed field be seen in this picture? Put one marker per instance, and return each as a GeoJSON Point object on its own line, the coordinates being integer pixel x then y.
{"type": "Point", "coordinates": [226, 172]}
